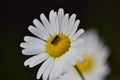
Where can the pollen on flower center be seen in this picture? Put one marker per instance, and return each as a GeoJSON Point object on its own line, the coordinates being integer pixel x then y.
{"type": "Point", "coordinates": [57, 45]}
{"type": "Point", "coordinates": [85, 66]}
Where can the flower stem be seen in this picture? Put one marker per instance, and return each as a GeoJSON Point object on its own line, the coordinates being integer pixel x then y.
{"type": "Point", "coordinates": [80, 73]}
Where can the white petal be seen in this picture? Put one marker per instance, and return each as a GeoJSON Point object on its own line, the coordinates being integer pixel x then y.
{"type": "Point", "coordinates": [60, 68]}
{"type": "Point", "coordinates": [56, 68]}
{"type": "Point", "coordinates": [43, 68]}
{"type": "Point", "coordinates": [71, 24]}
{"type": "Point", "coordinates": [74, 28]}
{"type": "Point", "coordinates": [78, 33]}
{"type": "Point", "coordinates": [48, 70]}
{"type": "Point", "coordinates": [46, 23]}
{"type": "Point", "coordinates": [81, 59]}
{"type": "Point", "coordinates": [65, 23]}
{"type": "Point", "coordinates": [78, 57]}
{"type": "Point", "coordinates": [66, 66]}
{"type": "Point", "coordinates": [52, 21]}
{"type": "Point", "coordinates": [37, 33]}
{"type": "Point", "coordinates": [31, 39]}
{"type": "Point", "coordinates": [77, 42]}
{"type": "Point", "coordinates": [75, 58]}
{"type": "Point", "coordinates": [40, 27]}
{"type": "Point", "coordinates": [52, 74]}
{"type": "Point", "coordinates": [70, 58]}
{"type": "Point", "coordinates": [38, 60]}
{"type": "Point", "coordinates": [60, 18]}
{"type": "Point", "coordinates": [76, 51]}
{"type": "Point", "coordinates": [32, 51]}
{"type": "Point", "coordinates": [28, 61]}
{"type": "Point", "coordinates": [32, 46]}
{"type": "Point", "coordinates": [56, 23]}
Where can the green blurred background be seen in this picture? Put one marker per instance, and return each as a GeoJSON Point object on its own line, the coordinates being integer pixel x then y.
{"type": "Point", "coordinates": [17, 15]}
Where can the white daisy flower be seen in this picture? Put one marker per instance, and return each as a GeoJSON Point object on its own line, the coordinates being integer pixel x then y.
{"type": "Point", "coordinates": [95, 66]}
{"type": "Point", "coordinates": [96, 53]}
{"type": "Point", "coordinates": [56, 44]}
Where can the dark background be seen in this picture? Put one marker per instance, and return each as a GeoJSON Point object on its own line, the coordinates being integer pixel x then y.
{"type": "Point", "coordinates": [17, 15]}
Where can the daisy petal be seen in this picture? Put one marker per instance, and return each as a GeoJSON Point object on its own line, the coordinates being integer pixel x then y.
{"type": "Point", "coordinates": [67, 66]}
{"type": "Point", "coordinates": [52, 21]}
{"type": "Point", "coordinates": [56, 23]}
{"type": "Point", "coordinates": [60, 68]}
{"type": "Point", "coordinates": [79, 58]}
{"type": "Point", "coordinates": [37, 33]}
{"type": "Point", "coordinates": [70, 58]}
{"type": "Point", "coordinates": [60, 18]}
{"type": "Point", "coordinates": [51, 77]}
{"type": "Point", "coordinates": [48, 70]}
{"type": "Point", "coordinates": [46, 23]}
{"type": "Point", "coordinates": [42, 68]}
{"type": "Point", "coordinates": [37, 61]}
{"type": "Point", "coordinates": [30, 39]}
{"type": "Point", "coordinates": [32, 51]}
{"type": "Point", "coordinates": [78, 33]}
{"type": "Point", "coordinates": [28, 61]}
{"type": "Point", "coordinates": [71, 24]}
{"type": "Point", "coordinates": [40, 27]}
{"type": "Point", "coordinates": [76, 51]}
{"type": "Point", "coordinates": [65, 23]}
{"type": "Point", "coordinates": [74, 29]}
{"type": "Point", "coordinates": [56, 69]}
{"type": "Point", "coordinates": [31, 46]}
{"type": "Point", "coordinates": [77, 42]}
{"type": "Point", "coordinates": [54, 73]}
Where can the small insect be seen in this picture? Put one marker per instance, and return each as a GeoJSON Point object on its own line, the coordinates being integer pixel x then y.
{"type": "Point", "coordinates": [55, 39]}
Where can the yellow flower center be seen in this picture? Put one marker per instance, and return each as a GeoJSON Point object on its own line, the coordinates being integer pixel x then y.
{"type": "Point", "coordinates": [57, 45]}
{"type": "Point", "coordinates": [85, 66]}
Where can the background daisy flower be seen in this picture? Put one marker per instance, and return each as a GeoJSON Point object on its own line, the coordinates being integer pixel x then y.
{"type": "Point", "coordinates": [95, 66]}
{"type": "Point", "coordinates": [96, 53]}
{"type": "Point", "coordinates": [56, 44]}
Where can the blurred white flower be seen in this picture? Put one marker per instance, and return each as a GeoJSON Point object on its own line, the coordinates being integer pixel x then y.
{"type": "Point", "coordinates": [95, 66]}
{"type": "Point", "coordinates": [56, 45]}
